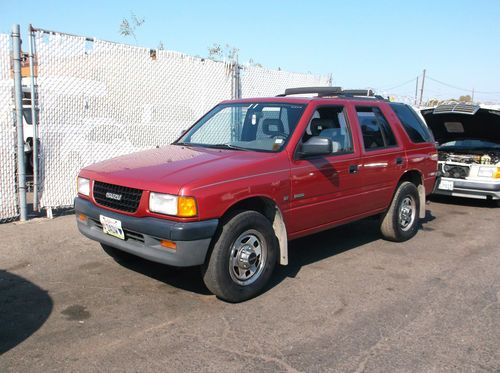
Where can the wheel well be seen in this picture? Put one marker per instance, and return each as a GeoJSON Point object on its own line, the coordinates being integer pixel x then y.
{"type": "Point", "coordinates": [263, 205]}
{"type": "Point", "coordinates": [271, 211]}
{"type": "Point", "coordinates": [412, 176]}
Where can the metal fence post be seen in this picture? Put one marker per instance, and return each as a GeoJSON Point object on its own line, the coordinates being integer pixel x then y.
{"type": "Point", "coordinates": [236, 86]}
{"type": "Point", "coordinates": [238, 79]}
{"type": "Point", "coordinates": [235, 95]}
{"type": "Point", "coordinates": [34, 116]}
{"type": "Point", "coordinates": [18, 91]}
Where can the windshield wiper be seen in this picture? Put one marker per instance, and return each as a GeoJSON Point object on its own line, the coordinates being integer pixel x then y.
{"type": "Point", "coordinates": [225, 146]}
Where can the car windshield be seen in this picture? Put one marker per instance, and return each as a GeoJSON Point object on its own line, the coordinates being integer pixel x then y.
{"type": "Point", "coordinates": [470, 144]}
{"type": "Point", "coordinates": [258, 126]}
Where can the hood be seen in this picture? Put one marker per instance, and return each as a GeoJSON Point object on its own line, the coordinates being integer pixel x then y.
{"type": "Point", "coordinates": [169, 168]}
{"type": "Point", "coordinates": [449, 125]}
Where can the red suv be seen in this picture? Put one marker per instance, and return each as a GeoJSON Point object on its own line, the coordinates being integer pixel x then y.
{"type": "Point", "coordinates": [252, 174]}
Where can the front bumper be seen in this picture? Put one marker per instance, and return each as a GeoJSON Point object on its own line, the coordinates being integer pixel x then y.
{"type": "Point", "coordinates": [143, 235]}
{"type": "Point", "coordinates": [469, 188]}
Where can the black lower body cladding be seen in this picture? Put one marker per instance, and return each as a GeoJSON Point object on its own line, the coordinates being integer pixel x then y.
{"type": "Point", "coordinates": [143, 235]}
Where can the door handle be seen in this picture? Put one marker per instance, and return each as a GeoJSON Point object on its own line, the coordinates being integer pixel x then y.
{"type": "Point", "coordinates": [399, 161]}
{"type": "Point", "coordinates": [353, 169]}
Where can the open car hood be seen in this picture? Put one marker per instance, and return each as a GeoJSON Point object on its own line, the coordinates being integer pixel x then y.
{"type": "Point", "coordinates": [454, 122]}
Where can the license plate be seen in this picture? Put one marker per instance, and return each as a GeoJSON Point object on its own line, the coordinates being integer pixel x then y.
{"type": "Point", "coordinates": [446, 185]}
{"type": "Point", "coordinates": [112, 227]}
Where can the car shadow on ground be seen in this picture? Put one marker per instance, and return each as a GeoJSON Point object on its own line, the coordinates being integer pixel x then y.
{"type": "Point", "coordinates": [302, 252]}
{"type": "Point", "coordinates": [188, 278]}
{"type": "Point", "coordinates": [24, 308]}
{"type": "Point", "coordinates": [317, 247]}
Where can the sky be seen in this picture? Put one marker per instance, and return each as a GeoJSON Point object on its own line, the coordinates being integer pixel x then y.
{"type": "Point", "coordinates": [379, 44]}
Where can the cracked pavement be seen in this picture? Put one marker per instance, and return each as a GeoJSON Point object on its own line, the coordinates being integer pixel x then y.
{"type": "Point", "coordinates": [348, 301]}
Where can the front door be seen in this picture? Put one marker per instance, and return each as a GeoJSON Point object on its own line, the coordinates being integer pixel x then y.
{"type": "Point", "coordinates": [324, 187]}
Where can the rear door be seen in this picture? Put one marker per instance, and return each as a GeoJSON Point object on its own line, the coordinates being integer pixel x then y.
{"type": "Point", "coordinates": [382, 155]}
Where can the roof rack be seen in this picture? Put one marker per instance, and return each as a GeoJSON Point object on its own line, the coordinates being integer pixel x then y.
{"type": "Point", "coordinates": [331, 91]}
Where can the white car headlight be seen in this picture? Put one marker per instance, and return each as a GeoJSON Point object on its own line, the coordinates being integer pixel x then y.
{"type": "Point", "coordinates": [163, 203]}
{"type": "Point", "coordinates": [486, 171]}
{"type": "Point", "coordinates": [83, 186]}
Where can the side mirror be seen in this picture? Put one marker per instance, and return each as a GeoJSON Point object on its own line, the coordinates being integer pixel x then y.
{"type": "Point", "coordinates": [316, 145]}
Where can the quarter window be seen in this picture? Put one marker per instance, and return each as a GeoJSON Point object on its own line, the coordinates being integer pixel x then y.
{"type": "Point", "coordinates": [417, 131]}
{"type": "Point", "coordinates": [377, 132]}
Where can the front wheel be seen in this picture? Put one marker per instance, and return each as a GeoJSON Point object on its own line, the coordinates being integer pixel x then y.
{"type": "Point", "coordinates": [243, 257]}
{"type": "Point", "coordinates": [400, 222]}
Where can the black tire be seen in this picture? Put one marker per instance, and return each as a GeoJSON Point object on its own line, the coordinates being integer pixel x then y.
{"type": "Point", "coordinates": [401, 221]}
{"type": "Point", "coordinates": [242, 234]}
{"type": "Point", "coordinates": [117, 254]}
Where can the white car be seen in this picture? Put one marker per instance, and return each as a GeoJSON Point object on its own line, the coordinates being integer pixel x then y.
{"type": "Point", "coordinates": [469, 149]}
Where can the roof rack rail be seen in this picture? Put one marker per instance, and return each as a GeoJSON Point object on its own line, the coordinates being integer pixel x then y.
{"type": "Point", "coordinates": [320, 91]}
{"type": "Point", "coordinates": [331, 91]}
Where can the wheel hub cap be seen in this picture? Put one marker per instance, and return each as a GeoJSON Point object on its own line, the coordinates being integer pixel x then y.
{"type": "Point", "coordinates": [406, 213]}
{"type": "Point", "coordinates": [247, 257]}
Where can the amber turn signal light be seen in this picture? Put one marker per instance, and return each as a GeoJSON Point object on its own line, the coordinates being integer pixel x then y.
{"type": "Point", "coordinates": [82, 217]}
{"type": "Point", "coordinates": [186, 207]}
{"type": "Point", "coordinates": [168, 244]}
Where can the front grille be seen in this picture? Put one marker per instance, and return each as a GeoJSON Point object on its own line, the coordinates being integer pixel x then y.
{"type": "Point", "coordinates": [455, 107]}
{"type": "Point", "coordinates": [125, 199]}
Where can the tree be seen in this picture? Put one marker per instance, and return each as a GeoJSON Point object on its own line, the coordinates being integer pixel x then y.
{"type": "Point", "coordinates": [218, 52]}
{"type": "Point", "coordinates": [251, 62]}
{"type": "Point", "coordinates": [128, 26]}
{"type": "Point", "coordinates": [465, 98]}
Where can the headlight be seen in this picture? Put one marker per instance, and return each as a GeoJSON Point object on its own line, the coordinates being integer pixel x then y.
{"type": "Point", "coordinates": [169, 204]}
{"type": "Point", "coordinates": [486, 171]}
{"type": "Point", "coordinates": [83, 186]}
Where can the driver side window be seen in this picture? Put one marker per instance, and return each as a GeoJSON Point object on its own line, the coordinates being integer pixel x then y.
{"type": "Point", "coordinates": [331, 122]}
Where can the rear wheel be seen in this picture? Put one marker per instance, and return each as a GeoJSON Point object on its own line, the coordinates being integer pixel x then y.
{"type": "Point", "coordinates": [243, 257]}
{"type": "Point", "coordinates": [400, 222]}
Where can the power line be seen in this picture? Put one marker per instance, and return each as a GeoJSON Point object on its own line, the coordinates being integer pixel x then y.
{"type": "Point", "coordinates": [399, 85]}
{"type": "Point", "coordinates": [461, 88]}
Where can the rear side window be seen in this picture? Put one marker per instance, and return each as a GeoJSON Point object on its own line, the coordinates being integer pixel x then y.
{"type": "Point", "coordinates": [416, 130]}
{"type": "Point", "coordinates": [377, 133]}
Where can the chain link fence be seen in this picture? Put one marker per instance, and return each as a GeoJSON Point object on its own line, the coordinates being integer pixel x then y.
{"type": "Point", "coordinates": [98, 100]}
{"type": "Point", "coordinates": [8, 195]}
{"type": "Point", "coordinates": [258, 82]}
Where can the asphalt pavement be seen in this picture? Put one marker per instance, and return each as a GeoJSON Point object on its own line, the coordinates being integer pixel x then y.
{"type": "Point", "coordinates": [348, 301]}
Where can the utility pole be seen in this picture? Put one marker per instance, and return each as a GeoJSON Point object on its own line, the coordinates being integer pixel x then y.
{"type": "Point", "coordinates": [422, 89]}
{"type": "Point", "coordinates": [416, 91]}
{"type": "Point", "coordinates": [472, 98]}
